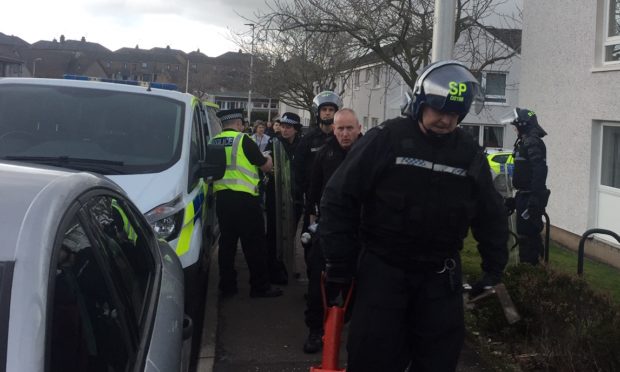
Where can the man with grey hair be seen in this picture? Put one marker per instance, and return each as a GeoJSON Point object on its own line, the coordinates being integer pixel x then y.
{"type": "Point", "coordinates": [347, 130]}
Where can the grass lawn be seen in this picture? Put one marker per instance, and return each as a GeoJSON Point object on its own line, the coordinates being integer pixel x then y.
{"type": "Point", "coordinates": [601, 277]}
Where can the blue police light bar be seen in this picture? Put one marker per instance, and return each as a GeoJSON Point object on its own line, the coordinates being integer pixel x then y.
{"type": "Point", "coordinates": [166, 86]}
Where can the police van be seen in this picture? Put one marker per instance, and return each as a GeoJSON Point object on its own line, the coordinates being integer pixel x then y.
{"type": "Point", "coordinates": [150, 140]}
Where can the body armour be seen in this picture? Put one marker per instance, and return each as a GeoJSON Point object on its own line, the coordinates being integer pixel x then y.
{"type": "Point", "coordinates": [530, 157]}
{"type": "Point", "coordinates": [424, 202]}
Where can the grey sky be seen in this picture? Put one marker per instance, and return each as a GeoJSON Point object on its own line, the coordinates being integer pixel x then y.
{"type": "Point", "coordinates": [183, 24]}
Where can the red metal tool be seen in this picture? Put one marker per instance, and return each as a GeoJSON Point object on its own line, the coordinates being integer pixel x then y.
{"type": "Point", "coordinates": [332, 326]}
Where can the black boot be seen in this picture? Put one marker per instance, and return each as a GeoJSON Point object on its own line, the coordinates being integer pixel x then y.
{"type": "Point", "coordinates": [314, 342]}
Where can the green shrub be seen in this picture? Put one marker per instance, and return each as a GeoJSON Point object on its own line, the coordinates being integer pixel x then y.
{"type": "Point", "coordinates": [565, 325]}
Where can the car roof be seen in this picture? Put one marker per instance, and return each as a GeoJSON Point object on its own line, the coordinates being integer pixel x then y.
{"type": "Point", "coordinates": [33, 201]}
{"type": "Point", "coordinates": [85, 84]}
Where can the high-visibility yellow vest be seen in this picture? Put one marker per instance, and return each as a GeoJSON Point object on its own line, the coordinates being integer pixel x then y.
{"type": "Point", "coordinates": [241, 175]}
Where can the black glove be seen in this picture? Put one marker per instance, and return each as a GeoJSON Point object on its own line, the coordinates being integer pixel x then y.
{"type": "Point", "coordinates": [487, 282]}
{"type": "Point", "coordinates": [510, 205]}
{"type": "Point", "coordinates": [338, 278]}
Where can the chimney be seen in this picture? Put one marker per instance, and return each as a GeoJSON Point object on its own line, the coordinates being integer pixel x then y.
{"type": "Point", "coordinates": [83, 39]}
{"type": "Point", "coordinates": [62, 38]}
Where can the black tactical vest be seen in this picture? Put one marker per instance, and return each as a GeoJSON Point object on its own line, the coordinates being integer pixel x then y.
{"type": "Point", "coordinates": [522, 176]}
{"type": "Point", "coordinates": [423, 205]}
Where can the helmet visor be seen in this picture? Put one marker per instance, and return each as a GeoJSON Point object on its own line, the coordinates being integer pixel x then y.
{"type": "Point", "coordinates": [453, 88]}
{"type": "Point", "coordinates": [509, 117]}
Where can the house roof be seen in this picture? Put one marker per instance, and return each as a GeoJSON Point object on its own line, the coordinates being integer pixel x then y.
{"type": "Point", "coordinates": [72, 45]}
{"type": "Point", "coordinates": [161, 55]}
{"type": "Point", "coordinates": [11, 40]}
{"type": "Point", "coordinates": [510, 37]}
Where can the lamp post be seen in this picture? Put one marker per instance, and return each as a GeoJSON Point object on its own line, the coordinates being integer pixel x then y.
{"type": "Point", "coordinates": [34, 65]}
{"type": "Point", "coordinates": [251, 70]}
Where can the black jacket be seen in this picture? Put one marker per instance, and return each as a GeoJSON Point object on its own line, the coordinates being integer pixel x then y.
{"type": "Point", "coordinates": [413, 198]}
{"type": "Point", "coordinates": [530, 158]}
{"type": "Point", "coordinates": [327, 160]}
{"type": "Point", "coordinates": [305, 153]}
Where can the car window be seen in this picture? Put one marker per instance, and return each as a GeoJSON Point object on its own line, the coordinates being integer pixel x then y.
{"type": "Point", "coordinates": [6, 282]}
{"type": "Point", "coordinates": [126, 247]}
{"type": "Point", "coordinates": [501, 158]}
{"type": "Point", "coordinates": [195, 151]}
{"type": "Point", "coordinates": [142, 132]}
{"type": "Point", "coordinates": [215, 125]}
{"type": "Point", "coordinates": [87, 326]}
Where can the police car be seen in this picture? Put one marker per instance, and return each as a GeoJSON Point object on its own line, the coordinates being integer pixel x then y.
{"type": "Point", "coordinates": [84, 283]}
{"type": "Point", "coordinates": [150, 140]}
{"type": "Point", "coordinates": [502, 167]}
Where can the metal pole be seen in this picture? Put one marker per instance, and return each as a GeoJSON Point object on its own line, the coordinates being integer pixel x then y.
{"type": "Point", "coordinates": [251, 71]}
{"type": "Point", "coordinates": [443, 29]}
{"type": "Point", "coordinates": [187, 76]}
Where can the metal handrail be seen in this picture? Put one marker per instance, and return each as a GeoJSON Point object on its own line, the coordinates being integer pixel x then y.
{"type": "Point", "coordinates": [583, 241]}
{"type": "Point", "coordinates": [547, 234]}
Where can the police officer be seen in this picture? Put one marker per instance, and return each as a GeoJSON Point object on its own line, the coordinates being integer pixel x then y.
{"type": "Point", "coordinates": [238, 208]}
{"type": "Point", "coordinates": [324, 105]}
{"type": "Point", "coordinates": [409, 190]}
{"type": "Point", "coordinates": [288, 138]}
{"type": "Point", "coordinates": [347, 130]}
{"type": "Point", "coordinates": [529, 178]}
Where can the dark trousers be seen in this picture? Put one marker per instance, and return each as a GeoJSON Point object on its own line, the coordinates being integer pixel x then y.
{"type": "Point", "coordinates": [315, 265]}
{"type": "Point", "coordinates": [240, 217]}
{"type": "Point", "coordinates": [406, 317]}
{"type": "Point", "coordinates": [530, 241]}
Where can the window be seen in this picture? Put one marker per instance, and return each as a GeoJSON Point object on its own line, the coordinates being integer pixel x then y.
{"type": "Point", "coordinates": [610, 167]}
{"type": "Point", "coordinates": [367, 75]}
{"type": "Point", "coordinates": [168, 67]}
{"type": "Point", "coordinates": [377, 76]}
{"type": "Point", "coordinates": [612, 31]}
{"type": "Point", "coordinates": [356, 79]}
{"type": "Point", "coordinates": [365, 122]}
{"type": "Point", "coordinates": [493, 136]}
{"type": "Point", "coordinates": [88, 326]}
{"type": "Point", "coordinates": [195, 152]}
{"type": "Point", "coordinates": [144, 65]}
{"type": "Point", "coordinates": [374, 122]}
{"type": "Point", "coordinates": [494, 85]}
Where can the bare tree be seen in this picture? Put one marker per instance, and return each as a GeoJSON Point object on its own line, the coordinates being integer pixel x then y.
{"type": "Point", "coordinates": [398, 32]}
{"type": "Point", "coordinates": [294, 63]}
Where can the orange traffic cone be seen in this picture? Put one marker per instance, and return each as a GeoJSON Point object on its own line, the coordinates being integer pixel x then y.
{"type": "Point", "coordinates": [332, 325]}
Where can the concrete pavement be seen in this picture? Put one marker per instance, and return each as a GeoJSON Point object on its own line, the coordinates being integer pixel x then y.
{"type": "Point", "coordinates": [266, 334]}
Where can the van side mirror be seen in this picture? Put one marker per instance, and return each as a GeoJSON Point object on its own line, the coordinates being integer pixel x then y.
{"type": "Point", "coordinates": [215, 165]}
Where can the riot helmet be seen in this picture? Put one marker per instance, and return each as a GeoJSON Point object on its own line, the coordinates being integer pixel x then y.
{"type": "Point", "coordinates": [325, 98]}
{"type": "Point", "coordinates": [520, 118]}
{"type": "Point", "coordinates": [446, 86]}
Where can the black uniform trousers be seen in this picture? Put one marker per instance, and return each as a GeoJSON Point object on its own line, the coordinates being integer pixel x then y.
{"type": "Point", "coordinates": [403, 317]}
{"type": "Point", "coordinates": [315, 265]}
{"type": "Point", "coordinates": [530, 240]}
{"type": "Point", "coordinates": [240, 217]}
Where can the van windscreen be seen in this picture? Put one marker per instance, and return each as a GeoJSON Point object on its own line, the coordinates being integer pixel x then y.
{"type": "Point", "coordinates": [136, 133]}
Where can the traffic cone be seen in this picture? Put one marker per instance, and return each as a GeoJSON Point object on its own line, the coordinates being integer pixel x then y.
{"type": "Point", "coordinates": [332, 326]}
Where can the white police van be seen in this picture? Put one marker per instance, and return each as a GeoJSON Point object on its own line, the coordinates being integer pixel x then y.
{"type": "Point", "coordinates": [150, 141]}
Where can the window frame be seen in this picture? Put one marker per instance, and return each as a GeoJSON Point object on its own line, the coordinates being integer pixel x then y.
{"type": "Point", "coordinates": [76, 212]}
{"type": "Point", "coordinates": [609, 40]}
{"type": "Point", "coordinates": [497, 97]}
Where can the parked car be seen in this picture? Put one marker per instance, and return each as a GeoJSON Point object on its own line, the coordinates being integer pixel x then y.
{"type": "Point", "coordinates": [502, 167]}
{"type": "Point", "coordinates": [84, 283]}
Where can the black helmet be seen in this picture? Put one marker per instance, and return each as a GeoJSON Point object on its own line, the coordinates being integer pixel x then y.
{"type": "Point", "coordinates": [323, 99]}
{"type": "Point", "coordinates": [520, 118]}
{"type": "Point", "coordinates": [446, 86]}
